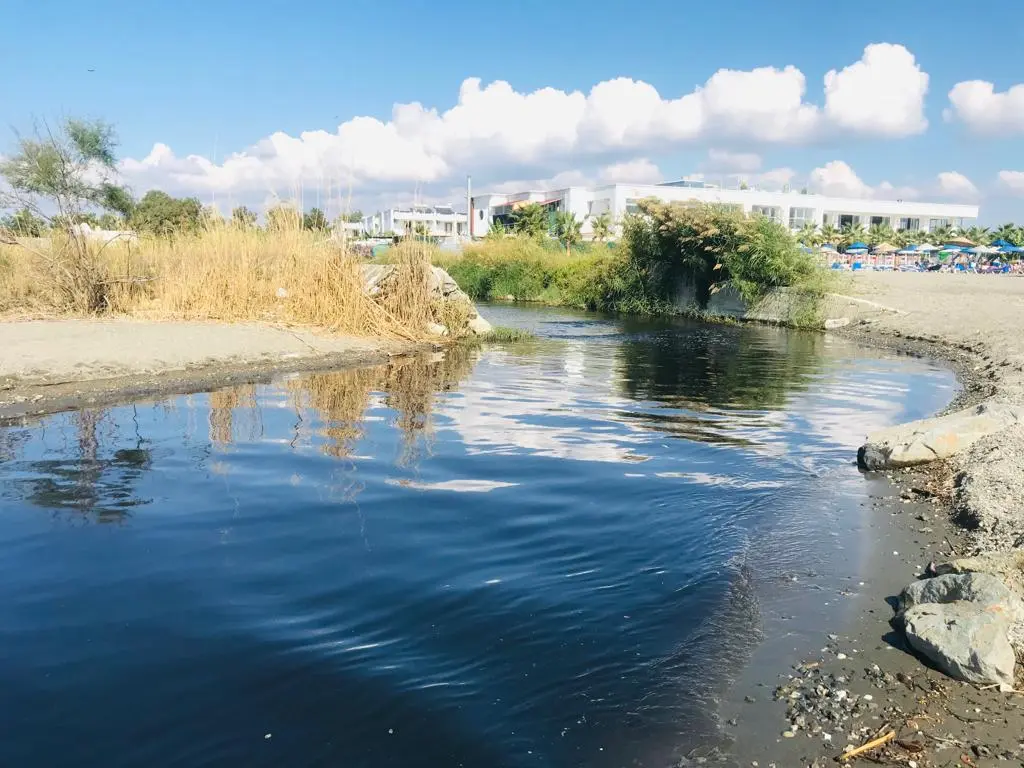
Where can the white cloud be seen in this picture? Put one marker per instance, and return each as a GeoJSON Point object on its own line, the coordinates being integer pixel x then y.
{"type": "Point", "coordinates": [639, 171]}
{"type": "Point", "coordinates": [494, 127]}
{"type": "Point", "coordinates": [838, 179]}
{"type": "Point", "coordinates": [976, 104]}
{"type": "Point", "coordinates": [720, 160]}
{"type": "Point", "coordinates": [956, 185]}
{"type": "Point", "coordinates": [1013, 181]}
{"type": "Point", "coordinates": [776, 178]}
{"type": "Point", "coordinates": [882, 94]}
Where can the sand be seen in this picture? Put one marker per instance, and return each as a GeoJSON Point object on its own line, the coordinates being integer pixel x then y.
{"type": "Point", "coordinates": [974, 322]}
{"type": "Point", "coordinates": [49, 365]}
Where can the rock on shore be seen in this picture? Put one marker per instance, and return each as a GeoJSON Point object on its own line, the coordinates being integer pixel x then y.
{"type": "Point", "coordinates": [442, 287]}
{"type": "Point", "coordinates": [919, 442]}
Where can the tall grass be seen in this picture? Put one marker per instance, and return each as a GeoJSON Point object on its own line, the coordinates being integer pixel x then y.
{"type": "Point", "coordinates": [224, 273]}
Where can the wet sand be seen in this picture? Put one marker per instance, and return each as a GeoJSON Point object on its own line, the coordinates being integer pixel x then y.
{"type": "Point", "coordinates": [971, 321]}
{"type": "Point", "coordinates": [53, 365]}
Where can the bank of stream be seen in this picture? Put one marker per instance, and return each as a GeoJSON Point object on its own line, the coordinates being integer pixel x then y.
{"type": "Point", "coordinates": [558, 552]}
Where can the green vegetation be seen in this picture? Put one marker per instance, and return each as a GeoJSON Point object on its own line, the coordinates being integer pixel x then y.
{"type": "Point", "coordinates": [664, 249]}
{"type": "Point", "coordinates": [567, 230]}
{"type": "Point", "coordinates": [507, 335]}
{"type": "Point", "coordinates": [160, 214]}
{"type": "Point", "coordinates": [531, 220]}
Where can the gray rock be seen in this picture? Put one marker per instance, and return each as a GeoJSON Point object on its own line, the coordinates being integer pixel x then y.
{"type": "Point", "coordinates": [963, 640]}
{"type": "Point", "coordinates": [984, 590]}
{"type": "Point", "coordinates": [922, 441]}
{"type": "Point", "coordinates": [479, 326]}
{"type": "Point", "coordinates": [836, 322]}
{"type": "Point", "coordinates": [436, 329]}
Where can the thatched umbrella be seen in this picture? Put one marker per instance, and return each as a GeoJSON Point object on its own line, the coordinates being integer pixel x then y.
{"type": "Point", "coordinates": [885, 248]}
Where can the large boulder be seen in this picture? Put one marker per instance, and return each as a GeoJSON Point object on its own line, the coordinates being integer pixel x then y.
{"type": "Point", "coordinates": [963, 640]}
{"type": "Point", "coordinates": [984, 590]}
{"type": "Point", "coordinates": [919, 442]}
{"type": "Point", "coordinates": [441, 285]}
{"type": "Point", "coordinates": [1007, 566]}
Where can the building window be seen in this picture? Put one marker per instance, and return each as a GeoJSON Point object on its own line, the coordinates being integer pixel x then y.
{"type": "Point", "coordinates": [447, 227]}
{"type": "Point", "coordinates": [768, 211]}
{"type": "Point", "coordinates": [879, 221]}
{"type": "Point", "coordinates": [847, 220]}
{"type": "Point", "coordinates": [936, 223]}
{"type": "Point", "coordinates": [632, 205]}
{"type": "Point", "coordinates": [910, 225]}
{"type": "Point", "coordinates": [798, 217]}
{"type": "Point", "coordinates": [480, 213]}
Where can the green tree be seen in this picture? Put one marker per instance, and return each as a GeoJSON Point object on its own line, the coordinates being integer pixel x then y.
{"type": "Point", "coordinates": [831, 235]}
{"type": "Point", "coordinates": [880, 233]}
{"type": "Point", "coordinates": [601, 226]}
{"type": "Point", "coordinates": [24, 223]}
{"type": "Point", "coordinates": [1011, 233]}
{"type": "Point", "coordinates": [943, 234]}
{"type": "Point", "coordinates": [283, 218]}
{"type": "Point", "coordinates": [315, 220]}
{"type": "Point", "coordinates": [160, 214]}
{"type": "Point", "coordinates": [111, 222]}
{"type": "Point", "coordinates": [567, 229]}
{"type": "Point", "coordinates": [979, 235]}
{"type": "Point", "coordinates": [68, 169]}
{"type": "Point", "coordinates": [852, 233]}
{"type": "Point", "coordinates": [352, 216]}
{"type": "Point", "coordinates": [809, 234]}
{"type": "Point", "coordinates": [531, 220]}
{"type": "Point", "coordinates": [243, 218]}
{"type": "Point", "coordinates": [497, 231]}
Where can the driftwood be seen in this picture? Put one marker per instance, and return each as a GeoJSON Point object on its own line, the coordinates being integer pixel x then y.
{"type": "Point", "coordinates": [867, 747]}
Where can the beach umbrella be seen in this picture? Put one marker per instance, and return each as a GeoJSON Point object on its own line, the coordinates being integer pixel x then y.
{"type": "Point", "coordinates": [927, 247]}
{"type": "Point", "coordinates": [857, 246]}
{"type": "Point", "coordinates": [885, 248]}
{"type": "Point", "coordinates": [963, 241]}
{"type": "Point", "coordinates": [1001, 243]}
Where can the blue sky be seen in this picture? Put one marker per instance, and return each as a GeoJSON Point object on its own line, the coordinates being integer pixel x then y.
{"type": "Point", "coordinates": [205, 80]}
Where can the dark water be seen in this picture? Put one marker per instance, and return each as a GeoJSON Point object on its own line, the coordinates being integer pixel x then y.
{"type": "Point", "coordinates": [548, 554]}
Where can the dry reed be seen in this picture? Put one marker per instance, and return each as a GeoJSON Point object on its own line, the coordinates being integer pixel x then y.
{"type": "Point", "coordinates": [282, 275]}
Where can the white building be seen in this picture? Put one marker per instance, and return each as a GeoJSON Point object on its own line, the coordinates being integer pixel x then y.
{"type": "Point", "coordinates": [441, 221]}
{"type": "Point", "coordinates": [792, 208]}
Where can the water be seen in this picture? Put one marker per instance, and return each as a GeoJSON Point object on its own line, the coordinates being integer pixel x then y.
{"type": "Point", "coordinates": [557, 553]}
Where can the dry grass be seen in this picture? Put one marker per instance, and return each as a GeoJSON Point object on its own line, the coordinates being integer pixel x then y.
{"type": "Point", "coordinates": [223, 273]}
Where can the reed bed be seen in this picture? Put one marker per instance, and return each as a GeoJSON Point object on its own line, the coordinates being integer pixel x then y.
{"type": "Point", "coordinates": [224, 273]}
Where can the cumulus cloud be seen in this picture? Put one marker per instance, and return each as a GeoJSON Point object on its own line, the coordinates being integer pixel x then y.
{"type": "Point", "coordinates": [720, 160]}
{"type": "Point", "coordinates": [977, 104]}
{"type": "Point", "coordinates": [838, 179]}
{"type": "Point", "coordinates": [1013, 181]}
{"type": "Point", "coordinates": [493, 127]}
{"type": "Point", "coordinates": [639, 171]}
{"type": "Point", "coordinates": [956, 185]}
{"type": "Point", "coordinates": [882, 94]}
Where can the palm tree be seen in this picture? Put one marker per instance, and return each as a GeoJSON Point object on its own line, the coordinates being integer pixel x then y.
{"type": "Point", "coordinates": [943, 234]}
{"type": "Point", "coordinates": [1009, 232]}
{"type": "Point", "coordinates": [601, 226]}
{"type": "Point", "coordinates": [809, 234]}
{"type": "Point", "coordinates": [980, 235]}
{"type": "Point", "coordinates": [852, 233]}
{"type": "Point", "coordinates": [829, 234]}
{"type": "Point", "coordinates": [880, 233]}
{"type": "Point", "coordinates": [567, 229]}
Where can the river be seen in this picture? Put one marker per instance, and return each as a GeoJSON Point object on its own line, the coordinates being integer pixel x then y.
{"type": "Point", "coordinates": [551, 553]}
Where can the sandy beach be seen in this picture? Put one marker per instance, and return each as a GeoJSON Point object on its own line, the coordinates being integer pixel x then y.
{"type": "Point", "coordinates": [863, 676]}
{"type": "Point", "coordinates": [51, 365]}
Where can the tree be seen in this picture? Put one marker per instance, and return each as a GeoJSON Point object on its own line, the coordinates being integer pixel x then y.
{"type": "Point", "coordinates": [852, 233]}
{"type": "Point", "coordinates": [567, 229]}
{"type": "Point", "coordinates": [601, 226]}
{"type": "Point", "coordinates": [315, 220]}
{"type": "Point", "coordinates": [284, 218]}
{"type": "Point", "coordinates": [65, 171]}
{"type": "Point", "coordinates": [880, 233]}
{"type": "Point", "coordinates": [496, 231]}
{"type": "Point", "coordinates": [829, 234]}
{"type": "Point", "coordinates": [809, 234]}
{"type": "Point", "coordinates": [24, 223]}
{"type": "Point", "coordinates": [160, 214]}
{"type": "Point", "coordinates": [1011, 233]}
{"type": "Point", "coordinates": [243, 218]}
{"type": "Point", "coordinates": [352, 216]}
{"type": "Point", "coordinates": [943, 234]}
{"type": "Point", "coordinates": [111, 222]}
{"type": "Point", "coordinates": [979, 235]}
{"type": "Point", "coordinates": [531, 220]}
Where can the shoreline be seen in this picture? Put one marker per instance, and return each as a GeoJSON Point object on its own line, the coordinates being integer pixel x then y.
{"type": "Point", "coordinates": [106, 362]}
{"type": "Point", "coordinates": [883, 684]}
